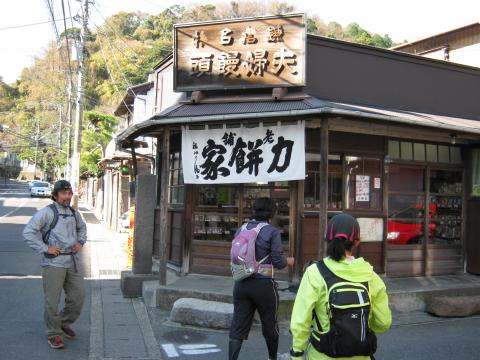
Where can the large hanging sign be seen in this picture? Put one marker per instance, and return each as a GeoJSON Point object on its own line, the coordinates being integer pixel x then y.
{"type": "Point", "coordinates": [241, 53]}
{"type": "Point", "coordinates": [244, 155]}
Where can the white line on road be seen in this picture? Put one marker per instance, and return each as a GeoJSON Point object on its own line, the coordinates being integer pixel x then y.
{"type": "Point", "coordinates": [170, 350]}
{"type": "Point", "coordinates": [197, 346]}
{"type": "Point", "coordinates": [201, 352]}
{"type": "Point", "coordinates": [14, 210]}
{"type": "Point", "coordinates": [18, 277]}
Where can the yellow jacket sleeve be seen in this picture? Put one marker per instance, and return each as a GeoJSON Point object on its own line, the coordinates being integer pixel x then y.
{"type": "Point", "coordinates": [380, 315]}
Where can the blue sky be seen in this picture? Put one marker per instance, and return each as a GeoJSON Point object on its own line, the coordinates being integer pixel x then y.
{"type": "Point", "coordinates": [402, 20]}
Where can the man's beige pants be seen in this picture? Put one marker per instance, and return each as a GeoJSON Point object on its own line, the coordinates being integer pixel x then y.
{"type": "Point", "coordinates": [54, 280]}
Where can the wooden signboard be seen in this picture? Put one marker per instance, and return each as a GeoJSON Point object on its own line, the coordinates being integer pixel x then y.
{"type": "Point", "coordinates": [240, 53]}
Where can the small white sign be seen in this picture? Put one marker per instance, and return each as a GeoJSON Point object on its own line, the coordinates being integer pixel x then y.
{"type": "Point", "coordinates": [377, 183]}
{"type": "Point", "coordinates": [362, 188]}
{"type": "Point", "coordinates": [371, 229]}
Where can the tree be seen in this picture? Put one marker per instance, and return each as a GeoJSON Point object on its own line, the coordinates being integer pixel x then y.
{"type": "Point", "coordinates": [97, 133]}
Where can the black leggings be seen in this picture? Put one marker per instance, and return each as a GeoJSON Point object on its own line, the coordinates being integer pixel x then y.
{"type": "Point", "coordinates": [256, 294]}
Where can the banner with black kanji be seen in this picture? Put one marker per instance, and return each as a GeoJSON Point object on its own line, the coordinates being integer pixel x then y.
{"type": "Point", "coordinates": [244, 154]}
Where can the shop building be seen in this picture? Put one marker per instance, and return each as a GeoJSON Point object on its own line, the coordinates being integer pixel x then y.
{"type": "Point", "coordinates": [399, 134]}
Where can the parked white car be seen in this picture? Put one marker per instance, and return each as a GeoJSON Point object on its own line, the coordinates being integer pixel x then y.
{"type": "Point", "coordinates": [41, 188]}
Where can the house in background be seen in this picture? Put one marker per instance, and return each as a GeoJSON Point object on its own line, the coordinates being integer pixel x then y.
{"type": "Point", "coordinates": [460, 46]}
{"type": "Point", "coordinates": [112, 193]}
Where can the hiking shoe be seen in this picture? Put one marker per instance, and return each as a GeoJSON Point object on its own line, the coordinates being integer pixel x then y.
{"type": "Point", "coordinates": [68, 331]}
{"type": "Point", "coordinates": [56, 342]}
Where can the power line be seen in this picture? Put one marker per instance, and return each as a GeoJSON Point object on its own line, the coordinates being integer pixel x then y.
{"type": "Point", "coordinates": [52, 15]}
{"type": "Point", "coordinates": [32, 24]}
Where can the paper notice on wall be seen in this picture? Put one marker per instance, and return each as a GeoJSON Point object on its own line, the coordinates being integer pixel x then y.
{"type": "Point", "coordinates": [362, 188]}
{"type": "Point", "coordinates": [376, 183]}
{"type": "Point", "coordinates": [371, 229]}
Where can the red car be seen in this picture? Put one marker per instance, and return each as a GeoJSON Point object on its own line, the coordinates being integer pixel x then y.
{"type": "Point", "coordinates": [403, 229]}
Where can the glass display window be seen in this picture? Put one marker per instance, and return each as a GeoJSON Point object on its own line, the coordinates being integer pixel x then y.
{"type": "Point", "coordinates": [406, 219]}
{"type": "Point", "coordinates": [219, 210]}
{"type": "Point", "coordinates": [446, 200]}
{"type": "Point", "coordinates": [312, 183]}
{"type": "Point", "coordinates": [363, 182]}
{"type": "Point", "coordinates": [215, 214]}
{"type": "Point", "coordinates": [406, 206]}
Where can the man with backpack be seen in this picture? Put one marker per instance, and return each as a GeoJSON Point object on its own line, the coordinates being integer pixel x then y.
{"type": "Point", "coordinates": [256, 251]}
{"type": "Point", "coordinates": [341, 302]}
{"type": "Point", "coordinates": [57, 232]}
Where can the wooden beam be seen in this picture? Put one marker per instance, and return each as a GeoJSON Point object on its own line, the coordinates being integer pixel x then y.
{"type": "Point", "coordinates": [323, 186]}
{"type": "Point", "coordinates": [420, 133]}
{"type": "Point", "coordinates": [164, 207]}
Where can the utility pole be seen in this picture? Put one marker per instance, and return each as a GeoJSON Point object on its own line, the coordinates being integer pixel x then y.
{"type": "Point", "coordinates": [60, 118]}
{"type": "Point", "coordinates": [77, 143]}
{"type": "Point", "coordinates": [68, 167]}
{"type": "Point", "coordinates": [37, 138]}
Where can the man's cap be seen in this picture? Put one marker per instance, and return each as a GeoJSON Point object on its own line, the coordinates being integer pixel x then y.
{"type": "Point", "coordinates": [343, 225]}
{"type": "Point", "coordinates": [61, 185]}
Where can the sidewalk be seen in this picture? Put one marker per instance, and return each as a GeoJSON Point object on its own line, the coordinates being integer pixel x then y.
{"type": "Point", "coordinates": [120, 328]}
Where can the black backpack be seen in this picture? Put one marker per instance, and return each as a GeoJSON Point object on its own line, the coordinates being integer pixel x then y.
{"type": "Point", "coordinates": [348, 308]}
{"type": "Point", "coordinates": [54, 222]}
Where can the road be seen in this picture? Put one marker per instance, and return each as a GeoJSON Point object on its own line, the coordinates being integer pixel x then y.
{"type": "Point", "coordinates": [22, 332]}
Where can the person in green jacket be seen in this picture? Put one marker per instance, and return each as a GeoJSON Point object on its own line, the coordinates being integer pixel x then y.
{"type": "Point", "coordinates": [342, 235]}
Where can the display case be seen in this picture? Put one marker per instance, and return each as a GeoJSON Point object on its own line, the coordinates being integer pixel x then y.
{"type": "Point", "coordinates": [215, 216]}
{"type": "Point", "coordinates": [446, 205]}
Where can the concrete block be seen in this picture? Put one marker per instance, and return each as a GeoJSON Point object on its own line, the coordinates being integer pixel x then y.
{"type": "Point", "coordinates": [202, 313]}
{"type": "Point", "coordinates": [453, 306]}
{"type": "Point", "coordinates": [131, 284]}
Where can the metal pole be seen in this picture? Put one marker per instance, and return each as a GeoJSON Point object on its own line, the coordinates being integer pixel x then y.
{"type": "Point", "coordinates": [77, 143]}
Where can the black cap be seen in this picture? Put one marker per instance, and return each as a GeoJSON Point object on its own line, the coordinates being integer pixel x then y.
{"type": "Point", "coordinates": [61, 185]}
{"type": "Point", "coordinates": [343, 225]}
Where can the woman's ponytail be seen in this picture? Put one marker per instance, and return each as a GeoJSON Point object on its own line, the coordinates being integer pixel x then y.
{"type": "Point", "coordinates": [337, 247]}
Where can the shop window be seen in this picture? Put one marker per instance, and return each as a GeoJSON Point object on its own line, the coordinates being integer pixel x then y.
{"type": "Point", "coordinates": [446, 204]}
{"type": "Point", "coordinates": [455, 155]}
{"type": "Point", "coordinates": [364, 183]}
{"type": "Point", "coordinates": [220, 210]}
{"type": "Point", "coordinates": [424, 152]}
{"type": "Point", "coordinates": [176, 193]}
{"type": "Point", "coordinates": [432, 154]}
{"type": "Point", "coordinates": [406, 205]}
{"type": "Point", "coordinates": [475, 191]}
{"type": "Point", "coordinates": [419, 152]}
{"type": "Point", "coordinates": [216, 213]}
{"type": "Point", "coordinates": [406, 151]}
{"type": "Point", "coordinates": [406, 179]}
{"type": "Point", "coordinates": [405, 225]}
{"type": "Point", "coordinates": [335, 185]}
{"type": "Point", "coordinates": [443, 154]}
{"type": "Point", "coordinates": [280, 194]}
{"type": "Point", "coordinates": [312, 183]}
{"type": "Point", "coordinates": [394, 149]}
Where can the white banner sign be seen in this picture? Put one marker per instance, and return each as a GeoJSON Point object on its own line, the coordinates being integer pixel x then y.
{"type": "Point", "coordinates": [243, 155]}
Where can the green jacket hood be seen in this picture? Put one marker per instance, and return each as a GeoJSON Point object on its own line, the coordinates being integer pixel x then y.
{"type": "Point", "coordinates": [357, 270]}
